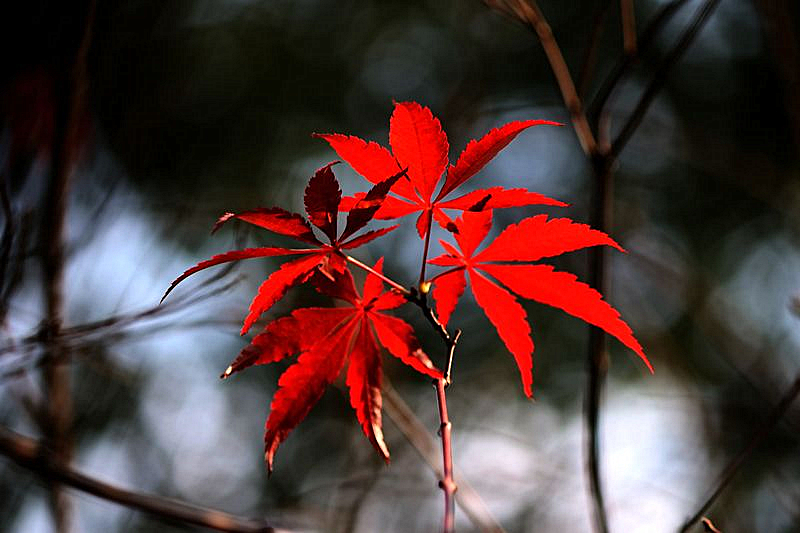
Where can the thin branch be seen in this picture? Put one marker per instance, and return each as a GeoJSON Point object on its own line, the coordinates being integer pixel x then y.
{"type": "Point", "coordinates": [467, 498]}
{"type": "Point", "coordinates": [30, 454]}
{"type": "Point", "coordinates": [8, 230]}
{"type": "Point", "coordinates": [733, 467]}
{"type": "Point", "coordinates": [530, 13]}
{"type": "Point", "coordinates": [447, 483]}
{"type": "Point", "coordinates": [404, 291]}
{"type": "Point", "coordinates": [628, 26]}
{"type": "Point", "coordinates": [113, 324]}
{"type": "Point", "coordinates": [626, 62]}
{"type": "Point", "coordinates": [660, 77]}
{"type": "Point", "coordinates": [590, 55]}
{"type": "Point", "coordinates": [72, 89]}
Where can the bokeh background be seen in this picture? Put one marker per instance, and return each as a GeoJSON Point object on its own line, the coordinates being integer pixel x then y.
{"type": "Point", "coordinates": [197, 107]}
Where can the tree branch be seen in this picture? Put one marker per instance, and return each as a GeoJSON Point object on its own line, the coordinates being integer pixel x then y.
{"type": "Point", "coordinates": [597, 360]}
{"type": "Point", "coordinates": [418, 436]}
{"type": "Point", "coordinates": [590, 55]}
{"type": "Point", "coordinates": [733, 467]}
{"type": "Point", "coordinates": [529, 13]}
{"type": "Point", "coordinates": [30, 454]}
{"type": "Point", "coordinates": [627, 61]}
{"type": "Point", "coordinates": [660, 77]}
{"type": "Point", "coordinates": [628, 26]}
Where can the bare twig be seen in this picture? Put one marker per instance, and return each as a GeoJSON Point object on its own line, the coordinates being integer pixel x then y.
{"type": "Point", "coordinates": [75, 336]}
{"type": "Point", "coordinates": [733, 467]}
{"type": "Point", "coordinates": [529, 12]}
{"type": "Point", "coordinates": [467, 498]}
{"type": "Point", "coordinates": [590, 55]}
{"type": "Point", "coordinates": [70, 109]}
{"type": "Point", "coordinates": [447, 483]}
{"type": "Point", "coordinates": [404, 291]}
{"type": "Point", "coordinates": [627, 61]}
{"type": "Point", "coordinates": [628, 26]}
{"type": "Point", "coordinates": [30, 454]}
{"type": "Point", "coordinates": [8, 230]}
{"type": "Point", "coordinates": [660, 77]}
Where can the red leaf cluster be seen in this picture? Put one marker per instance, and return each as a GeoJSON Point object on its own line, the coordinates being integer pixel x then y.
{"type": "Point", "coordinates": [419, 144]}
{"type": "Point", "coordinates": [328, 339]}
{"type": "Point", "coordinates": [325, 339]}
{"type": "Point", "coordinates": [532, 239]}
{"type": "Point", "coordinates": [322, 198]}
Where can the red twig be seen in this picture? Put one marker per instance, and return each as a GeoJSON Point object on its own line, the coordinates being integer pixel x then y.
{"type": "Point", "coordinates": [371, 270]}
{"type": "Point", "coordinates": [447, 483]}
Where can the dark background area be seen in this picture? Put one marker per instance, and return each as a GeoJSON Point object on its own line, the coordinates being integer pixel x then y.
{"type": "Point", "coordinates": [195, 108]}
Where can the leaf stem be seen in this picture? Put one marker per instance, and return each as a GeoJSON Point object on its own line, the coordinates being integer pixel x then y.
{"type": "Point", "coordinates": [34, 456]}
{"type": "Point", "coordinates": [429, 222]}
{"type": "Point", "coordinates": [406, 292]}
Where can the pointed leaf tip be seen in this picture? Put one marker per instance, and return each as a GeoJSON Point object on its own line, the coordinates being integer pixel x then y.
{"type": "Point", "coordinates": [322, 197]}
{"type": "Point", "coordinates": [220, 221]}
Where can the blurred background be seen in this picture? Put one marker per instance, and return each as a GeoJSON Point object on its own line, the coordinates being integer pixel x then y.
{"type": "Point", "coordinates": [136, 124]}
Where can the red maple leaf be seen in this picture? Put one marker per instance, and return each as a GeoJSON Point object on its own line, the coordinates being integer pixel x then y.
{"type": "Point", "coordinates": [322, 198]}
{"type": "Point", "coordinates": [325, 338]}
{"type": "Point", "coordinates": [419, 144]}
{"type": "Point", "coordinates": [532, 239]}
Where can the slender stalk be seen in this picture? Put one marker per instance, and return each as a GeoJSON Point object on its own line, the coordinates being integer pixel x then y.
{"type": "Point", "coordinates": [529, 12]}
{"type": "Point", "coordinates": [30, 454]}
{"type": "Point", "coordinates": [733, 467]}
{"type": "Point", "coordinates": [467, 498]}
{"type": "Point", "coordinates": [660, 77]}
{"type": "Point", "coordinates": [590, 55]}
{"type": "Point", "coordinates": [406, 292]}
{"type": "Point", "coordinates": [628, 26]}
{"type": "Point", "coordinates": [71, 88]}
{"type": "Point", "coordinates": [426, 246]}
{"type": "Point", "coordinates": [447, 483]}
{"type": "Point", "coordinates": [627, 61]}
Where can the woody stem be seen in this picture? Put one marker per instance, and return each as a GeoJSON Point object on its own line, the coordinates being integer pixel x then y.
{"type": "Point", "coordinates": [420, 299]}
{"type": "Point", "coordinates": [447, 483]}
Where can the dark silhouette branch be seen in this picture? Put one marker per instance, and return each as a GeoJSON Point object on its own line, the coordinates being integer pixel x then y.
{"type": "Point", "coordinates": [597, 359]}
{"type": "Point", "coordinates": [70, 108]}
{"type": "Point", "coordinates": [628, 61]}
{"type": "Point", "coordinates": [31, 455]}
{"type": "Point", "coordinates": [660, 77]}
{"type": "Point", "coordinates": [590, 55]}
{"type": "Point", "coordinates": [529, 13]}
{"type": "Point", "coordinates": [628, 27]}
{"type": "Point", "coordinates": [736, 464]}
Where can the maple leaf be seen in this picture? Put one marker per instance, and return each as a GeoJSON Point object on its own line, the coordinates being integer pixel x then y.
{"type": "Point", "coordinates": [419, 143]}
{"type": "Point", "coordinates": [322, 198]}
{"type": "Point", "coordinates": [325, 338]}
{"type": "Point", "coordinates": [532, 239]}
